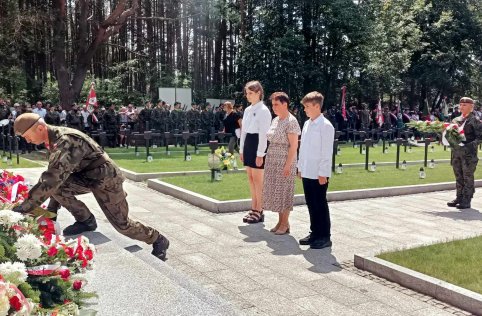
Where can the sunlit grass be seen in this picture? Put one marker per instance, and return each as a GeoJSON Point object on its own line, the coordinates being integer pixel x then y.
{"type": "Point", "coordinates": [457, 262]}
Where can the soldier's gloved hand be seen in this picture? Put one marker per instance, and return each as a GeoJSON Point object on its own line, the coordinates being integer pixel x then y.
{"type": "Point", "coordinates": [19, 209]}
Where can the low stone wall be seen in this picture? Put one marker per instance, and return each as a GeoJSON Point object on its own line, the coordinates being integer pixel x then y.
{"type": "Point", "coordinates": [242, 205]}
{"type": "Point", "coordinates": [441, 290]}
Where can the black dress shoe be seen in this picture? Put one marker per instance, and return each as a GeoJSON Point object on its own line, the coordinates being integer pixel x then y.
{"type": "Point", "coordinates": [306, 241]}
{"type": "Point", "coordinates": [159, 247]}
{"type": "Point", "coordinates": [79, 227]}
{"type": "Point", "coordinates": [463, 205]}
{"type": "Point", "coordinates": [321, 243]}
{"type": "Point", "coordinates": [453, 203]}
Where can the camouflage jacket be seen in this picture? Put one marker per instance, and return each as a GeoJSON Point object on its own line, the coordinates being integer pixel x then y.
{"type": "Point", "coordinates": [472, 132]}
{"type": "Point", "coordinates": [71, 154]}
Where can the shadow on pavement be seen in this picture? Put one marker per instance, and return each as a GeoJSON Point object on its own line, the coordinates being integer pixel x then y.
{"type": "Point", "coordinates": [469, 214]}
{"type": "Point", "coordinates": [323, 260]}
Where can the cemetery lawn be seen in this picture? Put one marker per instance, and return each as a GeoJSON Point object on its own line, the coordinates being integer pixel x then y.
{"type": "Point", "coordinates": [162, 162]}
{"type": "Point", "coordinates": [456, 262]}
{"type": "Point", "coordinates": [349, 155]}
{"type": "Point", "coordinates": [126, 158]}
{"type": "Point", "coordinates": [23, 164]}
{"type": "Point", "coordinates": [235, 186]}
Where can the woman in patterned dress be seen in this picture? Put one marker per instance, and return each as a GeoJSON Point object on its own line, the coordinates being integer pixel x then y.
{"type": "Point", "coordinates": [280, 164]}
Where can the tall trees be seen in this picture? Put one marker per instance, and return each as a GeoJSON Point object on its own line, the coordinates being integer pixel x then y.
{"type": "Point", "coordinates": [88, 39]}
{"type": "Point", "coordinates": [414, 49]}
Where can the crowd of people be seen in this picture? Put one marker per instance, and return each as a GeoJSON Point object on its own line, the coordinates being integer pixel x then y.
{"type": "Point", "coordinates": [162, 117]}
{"type": "Point", "coordinates": [363, 118]}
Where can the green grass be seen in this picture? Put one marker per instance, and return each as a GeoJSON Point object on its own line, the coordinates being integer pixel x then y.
{"type": "Point", "coordinates": [352, 155]}
{"type": "Point", "coordinates": [162, 162]}
{"type": "Point", "coordinates": [457, 262]}
{"type": "Point", "coordinates": [126, 158]}
{"type": "Point", "coordinates": [23, 164]}
{"type": "Point", "coordinates": [235, 186]}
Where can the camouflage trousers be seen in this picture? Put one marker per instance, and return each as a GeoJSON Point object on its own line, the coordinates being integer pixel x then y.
{"type": "Point", "coordinates": [111, 198]}
{"type": "Point", "coordinates": [464, 168]}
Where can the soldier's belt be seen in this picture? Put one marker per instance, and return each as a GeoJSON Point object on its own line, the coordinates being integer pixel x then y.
{"type": "Point", "coordinates": [96, 163]}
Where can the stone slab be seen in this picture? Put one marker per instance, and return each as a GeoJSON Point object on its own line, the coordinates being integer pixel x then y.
{"type": "Point", "coordinates": [441, 290]}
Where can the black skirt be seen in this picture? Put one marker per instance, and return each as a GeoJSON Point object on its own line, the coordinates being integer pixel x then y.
{"type": "Point", "coordinates": [249, 151]}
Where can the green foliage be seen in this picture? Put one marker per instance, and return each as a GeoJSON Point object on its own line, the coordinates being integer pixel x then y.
{"type": "Point", "coordinates": [29, 292]}
{"type": "Point", "coordinates": [415, 50]}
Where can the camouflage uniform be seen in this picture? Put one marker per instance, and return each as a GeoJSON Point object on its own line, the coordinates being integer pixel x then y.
{"type": "Point", "coordinates": [156, 119]}
{"type": "Point", "coordinates": [207, 120]}
{"type": "Point", "coordinates": [111, 126]}
{"type": "Point", "coordinates": [193, 118]}
{"type": "Point", "coordinates": [464, 159]}
{"type": "Point", "coordinates": [72, 154]}
{"type": "Point", "coordinates": [145, 119]}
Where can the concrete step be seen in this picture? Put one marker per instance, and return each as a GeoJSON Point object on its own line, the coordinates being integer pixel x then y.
{"type": "Point", "coordinates": [130, 281]}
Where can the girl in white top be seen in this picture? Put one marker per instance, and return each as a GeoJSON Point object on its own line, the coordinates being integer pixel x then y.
{"type": "Point", "coordinates": [253, 144]}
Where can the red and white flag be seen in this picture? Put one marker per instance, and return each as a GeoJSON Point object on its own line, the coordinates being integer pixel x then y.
{"type": "Point", "coordinates": [343, 104]}
{"type": "Point", "coordinates": [91, 99]}
{"type": "Point", "coordinates": [380, 119]}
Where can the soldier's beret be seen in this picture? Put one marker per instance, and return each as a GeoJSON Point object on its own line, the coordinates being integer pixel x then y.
{"type": "Point", "coordinates": [24, 122]}
{"type": "Point", "coordinates": [466, 100]}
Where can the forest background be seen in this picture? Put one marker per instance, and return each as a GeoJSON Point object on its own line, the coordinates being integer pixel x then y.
{"type": "Point", "coordinates": [416, 51]}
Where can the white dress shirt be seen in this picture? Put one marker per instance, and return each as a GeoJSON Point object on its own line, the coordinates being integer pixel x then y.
{"type": "Point", "coordinates": [256, 120]}
{"type": "Point", "coordinates": [316, 148]}
{"type": "Point", "coordinates": [41, 112]}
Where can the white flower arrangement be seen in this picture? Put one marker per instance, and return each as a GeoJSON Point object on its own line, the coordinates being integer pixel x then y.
{"type": "Point", "coordinates": [14, 272]}
{"type": "Point", "coordinates": [9, 218]}
{"type": "Point", "coordinates": [29, 247]}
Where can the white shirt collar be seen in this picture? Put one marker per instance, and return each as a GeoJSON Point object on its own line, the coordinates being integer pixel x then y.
{"type": "Point", "coordinates": [257, 105]}
{"type": "Point", "coordinates": [317, 120]}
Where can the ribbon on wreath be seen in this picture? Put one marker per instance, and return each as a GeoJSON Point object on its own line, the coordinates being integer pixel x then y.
{"type": "Point", "coordinates": [44, 269]}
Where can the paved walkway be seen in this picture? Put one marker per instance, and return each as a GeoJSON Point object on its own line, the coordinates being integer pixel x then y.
{"type": "Point", "coordinates": [264, 274]}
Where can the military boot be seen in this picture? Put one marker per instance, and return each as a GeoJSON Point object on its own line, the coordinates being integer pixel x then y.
{"type": "Point", "coordinates": [79, 227]}
{"type": "Point", "coordinates": [464, 203]}
{"type": "Point", "coordinates": [454, 202]}
{"type": "Point", "coordinates": [159, 247]}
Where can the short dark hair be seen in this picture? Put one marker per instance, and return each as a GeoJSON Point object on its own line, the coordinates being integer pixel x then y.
{"type": "Point", "coordinates": [281, 97]}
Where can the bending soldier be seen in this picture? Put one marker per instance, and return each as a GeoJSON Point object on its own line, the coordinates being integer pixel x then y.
{"type": "Point", "coordinates": [78, 165]}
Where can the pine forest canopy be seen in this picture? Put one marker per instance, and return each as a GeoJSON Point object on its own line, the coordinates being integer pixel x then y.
{"type": "Point", "coordinates": [412, 50]}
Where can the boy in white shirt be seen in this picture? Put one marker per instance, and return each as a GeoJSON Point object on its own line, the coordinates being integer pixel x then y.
{"type": "Point", "coordinates": [314, 167]}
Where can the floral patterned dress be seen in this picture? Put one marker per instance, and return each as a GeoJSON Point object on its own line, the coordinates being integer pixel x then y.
{"type": "Point", "coordinates": [278, 190]}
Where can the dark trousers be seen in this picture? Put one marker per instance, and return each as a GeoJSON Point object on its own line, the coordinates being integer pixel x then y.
{"type": "Point", "coordinates": [464, 166]}
{"type": "Point", "coordinates": [315, 196]}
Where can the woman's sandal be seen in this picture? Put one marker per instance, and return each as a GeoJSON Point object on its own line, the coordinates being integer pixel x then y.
{"type": "Point", "coordinates": [256, 217]}
{"type": "Point", "coordinates": [248, 216]}
{"type": "Point", "coordinates": [281, 232]}
{"type": "Point", "coordinates": [274, 228]}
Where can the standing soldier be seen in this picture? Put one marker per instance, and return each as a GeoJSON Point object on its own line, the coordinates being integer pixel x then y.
{"type": "Point", "coordinates": [156, 117]}
{"type": "Point", "coordinates": [175, 117]}
{"type": "Point", "coordinates": [145, 117]}
{"type": "Point", "coordinates": [207, 119]}
{"type": "Point", "coordinates": [193, 117]}
{"type": "Point", "coordinates": [78, 165]}
{"type": "Point", "coordinates": [365, 117]}
{"type": "Point", "coordinates": [464, 159]}
{"type": "Point", "coordinates": [74, 120]}
{"type": "Point", "coordinates": [52, 117]}
{"type": "Point", "coordinates": [219, 117]}
{"type": "Point", "coordinates": [110, 125]}
{"type": "Point", "coordinates": [94, 119]}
